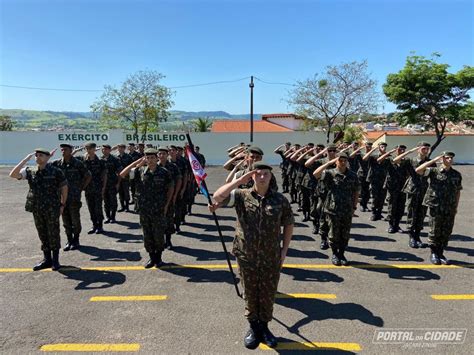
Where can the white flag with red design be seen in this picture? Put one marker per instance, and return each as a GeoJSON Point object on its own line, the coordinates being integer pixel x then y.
{"type": "Point", "coordinates": [198, 171]}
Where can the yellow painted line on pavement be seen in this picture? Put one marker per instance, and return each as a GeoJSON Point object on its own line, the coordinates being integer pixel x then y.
{"type": "Point", "coordinates": [452, 297]}
{"type": "Point", "coordinates": [224, 266]}
{"type": "Point", "coordinates": [306, 295]}
{"type": "Point", "coordinates": [128, 298]}
{"type": "Point", "coordinates": [313, 346]}
{"type": "Point", "coordinates": [90, 347]}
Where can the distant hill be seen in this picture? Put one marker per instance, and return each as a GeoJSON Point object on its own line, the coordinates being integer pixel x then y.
{"type": "Point", "coordinates": [54, 120]}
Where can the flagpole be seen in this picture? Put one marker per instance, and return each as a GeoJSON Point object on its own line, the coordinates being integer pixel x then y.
{"type": "Point", "coordinates": [216, 221]}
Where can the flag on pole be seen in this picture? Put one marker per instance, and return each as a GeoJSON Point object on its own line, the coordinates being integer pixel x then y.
{"type": "Point", "coordinates": [198, 171]}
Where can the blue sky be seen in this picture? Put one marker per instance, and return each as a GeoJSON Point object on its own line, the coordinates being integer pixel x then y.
{"type": "Point", "coordinates": [85, 44]}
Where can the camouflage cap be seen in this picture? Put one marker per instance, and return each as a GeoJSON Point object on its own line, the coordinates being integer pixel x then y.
{"type": "Point", "coordinates": [42, 151]}
{"type": "Point", "coordinates": [131, 144]}
{"type": "Point", "coordinates": [288, 143]}
{"type": "Point", "coordinates": [141, 144]}
{"type": "Point", "coordinates": [66, 145]}
{"type": "Point", "coordinates": [382, 143]}
{"type": "Point", "coordinates": [172, 147]}
{"type": "Point", "coordinates": [121, 145]}
{"type": "Point", "coordinates": [261, 165]}
{"type": "Point", "coordinates": [256, 150]}
{"type": "Point", "coordinates": [343, 155]}
{"type": "Point", "coordinates": [163, 149]}
{"type": "Point", "coordinates": [320, 145]}
{"type": "Point", "coordinates": [107, 146]}
{"type": "Point", "coordinates": [402, 146]}
{"type": "Point", "coordinates": [423, 144]}
{"type": "Point", "coordinates": [448, 154]}
{"type": "Point", "coordinates": [332, 146]}
{"type": "Point", "coordinates": [150, 151]}
{"type": "Point", "coordinates": [90, 145]}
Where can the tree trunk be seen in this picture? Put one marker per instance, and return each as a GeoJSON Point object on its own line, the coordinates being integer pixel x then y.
{"type": "Point", "coordinates": [439, 139]}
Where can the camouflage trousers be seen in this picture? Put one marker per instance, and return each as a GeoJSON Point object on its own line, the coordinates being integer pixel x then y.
{"type": "Point", "coordinates": [110, 201]}
{"type": "Point", "coordinates": [323, 221]}
{"type": "Point", "coordinates": [339, 229]}
{"type": "Point", "coordinates": [315, 211]}
{"type": "Point", "coordinates": [170, 229]}
{"type": "Point", "coordinates": [441, 226]}
{"type": "Point", "coordinates": [396, 206]}
{"type": "Point", "coordinates": [260, 286]}
{"type": "Point", "coordinates": [416, 212]}
{"type": "Point", "coordinates": [286, 181]}
{"type": "Point", "coordinates": [306, 199]}
{"type": "Point", "coordinates": [293, 189]}
{"type": "Point", "coordinates": [179, 207]}
{"type": "Point", "coordinates": [124, 191]}
{"type": "Point", "coordinates": [153, 232]}
{"type": "Point", "coordinates": [72, 218]}
{"type": "Point", "coordinates": [364, 192]}
{"type": "Point", "coordinates": [94, 204]}
{"type": "Point", "coordinates": [47, 226]}
{"type": "Point", "coordinates": [378, 193]}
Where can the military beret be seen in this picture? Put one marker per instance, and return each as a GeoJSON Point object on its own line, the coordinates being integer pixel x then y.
{"type": "Point", "coordinates": [261, 165]}
{"type": "Point", "coordinates": [288, 143]}
{"type": "Point", "coordinates": [257, 150]}
{"type": "Point", "coordinates": [320, 145]}
{"type": "Point", "coordinates": [449, 154]}
{"type": "Point", "coordinates": [343, 155]}
{"type": "Point", "coordinates": [332, 146]}
{"type": "Point", "coordinates": [311, 144]}
{"type": "Point", "coordinates": [297, 145]}
{"type": "Point", "coordinates": [90, 145]}
{"type": "Point", "coordinates": [402, 146]}
{"type": "Point", "coordinates": [163, 149]}
{"type": "Point", "coordinates": [122, 145]}
{"type": "Point", "coordinates": [423, 144]}
{"type": "Point", "coordinates": [150, 151]}
{"type": "Point", "coordinates": [106, 146]}
{"type": "Point", "coordinates": [382, 143]}
{"type": "Point", "coordinates": [131, 144]}
{"type": "Point", "coordinates": [65, 145]}
{"type": "Point", "coordinates": [180, 148]}
{"type": "Point", "coordinates": [369, 143]}
{"type": "Point", "coordinates": [141, 144]}
{"type": "Point", "coordinates": [42, 151]}
{"type": "Point", "coordinates": [172, 147]}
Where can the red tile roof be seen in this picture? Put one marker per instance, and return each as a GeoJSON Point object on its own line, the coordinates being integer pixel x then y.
{"type": "Point", "coordinates": [281, 115]}
{"type": "Point", "coordinates": [244, 126]}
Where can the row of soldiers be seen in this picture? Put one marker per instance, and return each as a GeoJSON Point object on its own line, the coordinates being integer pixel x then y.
{"type": "Point", "coordinates": [56, 188]}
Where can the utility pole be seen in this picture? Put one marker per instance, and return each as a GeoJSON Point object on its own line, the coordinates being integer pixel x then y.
{"type": "Point", "coordinates": [251, 85]}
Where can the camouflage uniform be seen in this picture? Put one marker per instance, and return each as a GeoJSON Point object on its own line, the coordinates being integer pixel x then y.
{"type": "Point", "coordinates": [394, 182]}
{"type": "Point", "coordinates": [93, 193]}
{"type": "Point", "coordinates": [292, 172]}
{"type": "Point", "coordinates": [75, 172]}
{"type": "Point", "coordinates": [338, 205]}
{"type": "Point", "coordinates": [376, 177]}
{"type": "Point", "coordinates": [124, 186]}
{"type": "Point", "coordinates": [362, 172]}
{"type": "Point", "coordinates": [306, 189]}
{"type": "Point", "coordinates": [440, 197]}
{"type": "Point", "coordinates": [153, 189]}
{"type": "Point", "coordinates": [175, 176]}
{"type": "Point", "coordinates": [315, 212]}
{"type": "Point", "coordinates": [135, 156]}
{"type": "Point", "coordinates": [180, 205]}
{"type": "Point", "coordinates": [110, 197]}
{"type": "Point", "coordinates": [284, 165]}
{"type": "Point", "coordinates": [44, 201]}
{"type": "Point", "coordinates": [257, 247]}
{"type": "Point", "coordinates": [324, 226]}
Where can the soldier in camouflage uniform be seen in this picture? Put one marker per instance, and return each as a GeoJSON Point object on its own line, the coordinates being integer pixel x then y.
{"type": "Point", "coordinates": [302, 179]}
{"type": "Point", "coordinates": [46, 200]}
{"type": "Point", "coordinates": [376, 177]}
{"type": "Point", "coordinates": [254, 154]}
{"type": "Point", "coordinates": [261, 212]}
{"type": "Point", "coordinates": [280, 150]}
{"type": "Point", "coordinates": [343, 189]}
{"type": "Point", "coordinates": [292, 173]}
{"type": "Point", "coordinates": [179, 204]}
{"type": "Point", "coordinates": [96, 188]}
{"type": "Point", "coordinates": [124, 185]}
{"type": "Point", "coordinates": [78, 177]}
{"type": "Point", "coordinates": [415, 189]}
{"type": "Point", "coordinates": [442, 199]}
{"type": "Point", "coordinates": [135, 156]}
{"type": "Point", "coordinates": [362, 171]}
{"type": "Point", "coordinates": [394, 182]}
{"type": "Point", "coordinates": [113, 182]}
{"type": "Point", "coordinates": [155, 185]}
{"type": "Point", "coordinates": [312, 164]}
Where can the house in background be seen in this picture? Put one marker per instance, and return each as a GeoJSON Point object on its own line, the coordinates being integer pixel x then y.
{"type": "Point", "coordinates": [275, 122]}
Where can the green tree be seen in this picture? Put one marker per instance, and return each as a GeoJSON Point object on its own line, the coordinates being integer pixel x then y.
{"type": "Point", "coordinates": [6, 123]}
{"type": "Point", "coordinates": [353, 134]}
{"type": "Point", "coordinates": [139, 104]}
{"type": "Point", "coordinates": [336, 95]}
{"type": "Point", "coordinates": [202, 124]}
{"type": "Point", "coordinates": [426, 93]}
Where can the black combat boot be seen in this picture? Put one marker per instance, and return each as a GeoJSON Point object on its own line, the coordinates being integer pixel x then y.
{"type": "Point", "coordinates": [107, 220]}
{"type": "Point", "coordinates": [434, 255]}
{"type": "Point", "coordinates": [363, 208]}
{"type": "Point", "coordinates": [324, 243]}
{"type": "Point", "coordinates": [266, 335]}
{"type": "Point", "coordinates": [55, 263]}
{"type": "Point", "coordinates": [306, 217]}
{"type": "Point", "coordinates": [70, 243]}
{"type": "Point", "coordinates": [93, 229]}
{"type": "Point", "coordinates": [412, 243]}
{"type": "Point", "coordinates": [315, 229]}
{"type": "Point", "coordinates": [122, 206]}
{"type": "Point", "coordinates": [112, 217]}
{"type": "Point", "coordinates": [127, 206]}
{"type": "Point", "coordinates": [252, 338]}
{"type": "Point", "coordinates": [150, 263]}
{"type": "Point", "coordinates": [158, 258]}
{"type": "Point", "coordinates": [75, 242]}
{"type": "Point", "coordinates": [99, 229]}
{"type": "Point", "coordinates": [45, 263]}
{"type": "Point", "coordinates": [441, 256]}
{"type": "Point", "coordinates": [418, 241]}
{"type": "Point", "coordinates": [335, 257]}
{"type": "Point", "coordinates": [168, 244]}
{"type": "Point", "coordinates": [342, 257]}
{"type": "Point", "coordinates": [391, 229]}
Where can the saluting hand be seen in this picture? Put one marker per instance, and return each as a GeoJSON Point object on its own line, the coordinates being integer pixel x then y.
{"type": "Point", "coordinates": [244, 179]}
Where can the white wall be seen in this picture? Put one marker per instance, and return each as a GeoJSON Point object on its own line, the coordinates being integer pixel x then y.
{"type": "Point", "coordinates": [290, 123]}
{"type": "Point", "coordinates": [14, 146]}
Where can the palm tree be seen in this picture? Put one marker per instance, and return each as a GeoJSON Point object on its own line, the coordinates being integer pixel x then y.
{"type": "Point", "coordinates": [202, 124]}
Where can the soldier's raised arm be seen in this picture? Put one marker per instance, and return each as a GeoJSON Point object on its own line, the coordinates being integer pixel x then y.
{"type": "Point", "coordinates": [318, 172]}
{"type": "Point", "coordinates": [15, 173]}
{"type": "Point", "coordinates": [384, 156]}
{"type": "Point", "coordinates": [421, 169]}
{"type": "Point", "coordinates": [369, 153]}
{"type": "Point", "coordinates": [403, 155]}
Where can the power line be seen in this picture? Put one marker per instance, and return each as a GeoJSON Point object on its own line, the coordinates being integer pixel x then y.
{"type": "Point", "coordinates": [273, 83]}
{"type": "Point", "coordinates": [95, 90]}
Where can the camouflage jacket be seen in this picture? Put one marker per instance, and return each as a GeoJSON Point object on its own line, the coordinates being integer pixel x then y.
{"type": "Point", "coordinates": [322, 188]}
{"type": "Point", "coordinates": [75, 171]}
{"type": "Point", "coordinates": [396, 176]}
{"type": "Point", "coordinates": [152, 188]}
{"type": "Point", "coordinates": [442, 189]}
{"type": "Point", "coordinates": [341, 189]}
{"type": "Point", "coordinates": [44, 193]}
{"type": "Point", "coordinates": [259, 222]}
{"type": "Point", "coordinates": [113, 170]}
{"type": "Point", "coordinates": [415, 183]}
{"type": "Point", "coordinates": [98, 169]}
{"type": "Point", "coordinates": [125, 160]}
{"type": "Point", "coordinates": [354, 162]}
{"type": "Point", "coordinates": [135, 155]}
{"type": "Point", "coordinates": [377, 171]}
